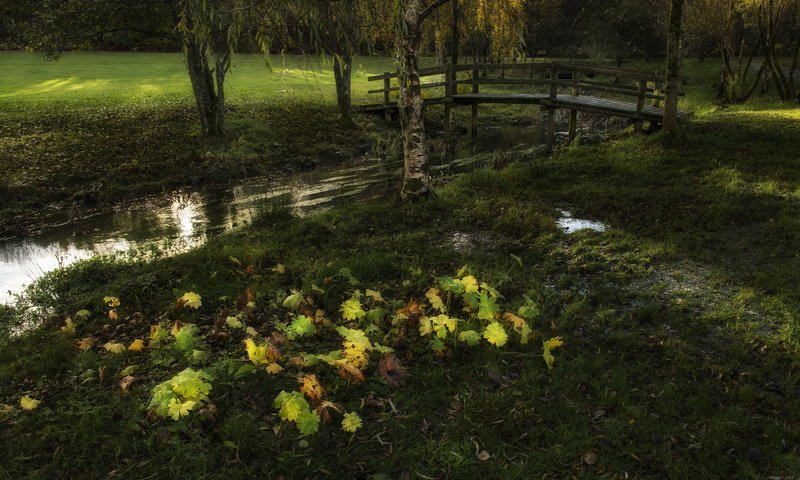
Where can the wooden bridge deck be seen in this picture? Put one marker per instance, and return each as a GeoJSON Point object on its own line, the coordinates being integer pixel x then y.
{"type": "Point", "coordinates": [583, 83]}
{"type": "Point", "coordinates": [584, 103]}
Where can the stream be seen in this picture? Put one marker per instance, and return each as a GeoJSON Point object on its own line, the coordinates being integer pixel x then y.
{"type": "Point", "coordinates": [186, 219]}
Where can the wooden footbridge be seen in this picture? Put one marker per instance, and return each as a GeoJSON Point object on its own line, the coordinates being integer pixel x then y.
{"type": "Point", "coordinates": [600, 90]}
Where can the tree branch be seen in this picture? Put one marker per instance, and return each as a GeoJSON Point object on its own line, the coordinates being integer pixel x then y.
{"type": "Point", "coordinates": [430, 8]}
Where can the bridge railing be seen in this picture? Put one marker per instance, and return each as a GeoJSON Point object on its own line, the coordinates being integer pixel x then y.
{"type": "Point", "coordinates": [577, 78]}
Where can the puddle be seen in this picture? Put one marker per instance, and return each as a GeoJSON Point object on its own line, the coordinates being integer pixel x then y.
{"type": "Point", "coordinates": [569, 224]}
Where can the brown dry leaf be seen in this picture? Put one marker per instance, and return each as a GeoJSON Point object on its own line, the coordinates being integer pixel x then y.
{"type": "Point", "coordinates": [412, 311]}
{"type": "Point", "coordinates": [392, 370]}
{"type": "Point", "coordinates": [126, 382]}
{"type": "Point", "coordinates": [350, 373]}
{"type": "Point", "coordinates": [277, 338]}
{"type": "Point", "coordinates": [274, 355]}
{"type": "Point", "coordinates": [297, 361]}
{"type": "Point", "coordinates": [324, 414]}
{"type": "Point", "coordinates": [589, 458]}
{"type": "Point", "coordinates": [177, 327]}
{"type": "Point", "coordinates": [309, 385]}
{"type": "Point", "coordinates": [112, 314]}
{"type": "Point", "coordinates": [85, 344]}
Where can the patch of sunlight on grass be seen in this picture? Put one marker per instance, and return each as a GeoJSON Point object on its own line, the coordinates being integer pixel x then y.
{"type": "Point", "coordinates": [770, 187]}
{"type": "Point", "coordinates": [729, 179]}
{"type": "Point", "coordinates": [88, 84]}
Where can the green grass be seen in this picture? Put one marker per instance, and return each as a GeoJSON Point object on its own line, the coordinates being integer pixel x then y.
{"type": "Point", "coordinates": [95, 129]}
{"type": "Point", "coordinates": [680, 322]}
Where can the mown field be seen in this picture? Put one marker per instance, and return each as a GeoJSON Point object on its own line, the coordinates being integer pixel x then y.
{"type": "Point", "coordinates": [94, 129]}
{"type": "Point", "coordinates": [680, 326]}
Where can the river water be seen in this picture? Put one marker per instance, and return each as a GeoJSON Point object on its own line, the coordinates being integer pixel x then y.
{"type": "Point", "coordinates": [186, 219]}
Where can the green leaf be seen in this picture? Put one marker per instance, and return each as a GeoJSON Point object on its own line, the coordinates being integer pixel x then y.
{"type": "Point", "coordinates": [290, 405]}
{"type": "Point", "coordinates": [375, 315]}
{"type": "Point", "coordinates": [495, 334]}
{"type": "Point", "coordinates": [245, 370]}
{"type": "Point", "coordinates": [185, 339]}
{"type": "Point", "coordinates": [351, 422]}
{"type": "Point", "coordinates": [308, 423]}
{"type": "Point", "coordinates": [470, 337]}
{"type": "Point", "coordinates": [351, 310]}
{"type": "Point", "coordinates": [487, 307]}
{"type": "Point", "coordinates": [301, 326]}
{"type": "Point", "coordinates": [293, 301]}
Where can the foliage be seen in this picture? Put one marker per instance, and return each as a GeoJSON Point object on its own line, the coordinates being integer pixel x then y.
{"type": "Point", "coordinates": [186, 391]}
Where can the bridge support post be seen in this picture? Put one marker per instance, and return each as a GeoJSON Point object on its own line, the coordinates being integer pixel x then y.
{"type": "Point", "coordinates": [387, 86]}
{"type": "Point", "coordinates": [573, 123]}
{"type": "Point", "coordinates": [475, 89]}
{"type": "Point", "coordinates": [551, 127]}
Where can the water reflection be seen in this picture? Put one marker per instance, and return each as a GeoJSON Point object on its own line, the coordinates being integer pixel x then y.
{"type": "Point", "coordinates": [188, 219]}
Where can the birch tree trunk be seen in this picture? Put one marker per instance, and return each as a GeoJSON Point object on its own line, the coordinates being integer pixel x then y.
{"type": "Point", "coordinates": [416, 181]}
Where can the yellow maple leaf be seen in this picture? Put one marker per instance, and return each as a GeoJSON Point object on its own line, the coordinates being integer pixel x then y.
{"type": "Point", "coordinates": [114, 347]}
{"type": "Point", "coordinates": [136, 346]}
{"type": "Point", "coordinates": [554, 342]}
{"type": "Point", "coordinates": [85, 344]}
{"type": "Point", "coordinates": [495, 334]}
{"type": "Point", "coordinates": [374, 295]}
{"type": "Point", "coordinates": [309, 385]}
{"type": "Point", "coordinates": [515, 321]}
{"type": "Point", "coordinates": [435, 300]}
{"type": "Point", "coordinates": [274, 369]}
{"type": "Point", "coordinates": [256, 353]}
{"type": "Point", "coordinates": [28, 404]}
{"type": "Point", "coordinates": [69, 326]}
{"type": "Point", "coordinates": [112, 302]}
{"type": "Point", "coordinates": [425, 327]}
{"type": "Point", "coordinates": [279, 268]}
{"type": "Point", "coordinates": [470, 284]}
{"type": "Point", "coordinates": [191, 300]}
{"type": "Point", "coordinates": [351, 422]}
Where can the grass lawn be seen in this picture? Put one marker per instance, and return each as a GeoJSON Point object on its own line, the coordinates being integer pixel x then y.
{"type": "Point", "coordinates": [94, 129]}
{"type": "Point", "coordinates": [681, 349]}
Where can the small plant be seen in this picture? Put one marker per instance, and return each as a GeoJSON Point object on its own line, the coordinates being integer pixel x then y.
{"type": "Point", "coordinates": [181, 394]}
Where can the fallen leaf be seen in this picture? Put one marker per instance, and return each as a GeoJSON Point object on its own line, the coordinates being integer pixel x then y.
{"type": "Point", "coordinates": [350, 373]}
{"type": "Point", "coordinates": [114, 347]}
{"type": "Point", "coordinates": [28, 404]}
{"type": "Point", "coordinates": [589, 458]}
{"type": "Point", "coordinates": [274, 369]}
{"type": "Point", "coordinates": [136, 346]}
{"type": "Point", "coordinates": [483, 455]}
{"type": "Point", "coordinates": [126, 382]}
{"type": "Point", "coordinates": [392, 370]}
{"type": "Point", "coordinates": [112, 314]}
{"type": "Point", "coordinates": [177, 327]}
{"type": "Point", "coordinates": [69, 326]}
{"type": "Point", "coordinates": [85, 344]}
{"type": "Point", "coordinates": [311, 388]}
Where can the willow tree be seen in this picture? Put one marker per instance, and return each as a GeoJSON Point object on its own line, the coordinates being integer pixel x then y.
{"type": "Point", "coordinates": [777, 28]}
{"type": "Point", "coordinates": [506, 21]}
{"type": "Point", "coordinates": [210, 31]}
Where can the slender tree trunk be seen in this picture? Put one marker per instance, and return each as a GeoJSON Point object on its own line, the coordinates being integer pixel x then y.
{"type": "Point", "coordinates": [673, 66]}
{"type": "Point", "coordinates": [342, 70]}
{"type": "Point", "coordinates": [416, 181]}
{"type": "Point", "coordinates": [455, 32]}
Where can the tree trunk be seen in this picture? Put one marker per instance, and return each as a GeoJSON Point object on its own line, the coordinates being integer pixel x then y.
{"type": "Point", "coordinates": [455, 32]}
{"type": "Point", "coordinates": [416, 181]}
{"type": "Point", "coordinates": [342, 69]}
{"type": "Point", "coordinates": [673, 66]}
{"type": "Point", "coordinates": [203, 89]}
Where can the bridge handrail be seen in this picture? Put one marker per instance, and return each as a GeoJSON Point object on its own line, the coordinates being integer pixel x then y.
{"type": "Point", "coordinates": [575, 77]}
